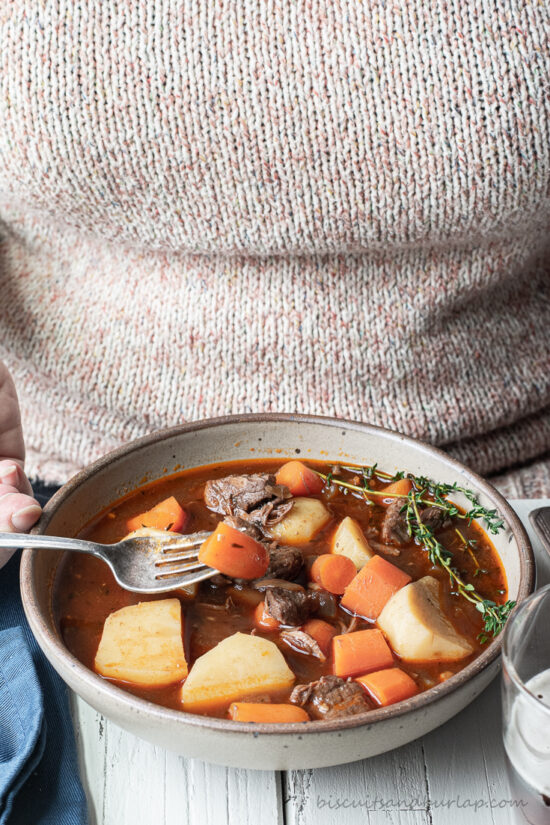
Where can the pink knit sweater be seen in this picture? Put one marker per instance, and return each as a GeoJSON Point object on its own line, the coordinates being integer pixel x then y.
{"type": "Point", "coordinates": [325, 207]}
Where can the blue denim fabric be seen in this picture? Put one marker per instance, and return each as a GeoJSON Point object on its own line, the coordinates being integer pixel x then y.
{"type": "Point", "coordinates": [39, 780]}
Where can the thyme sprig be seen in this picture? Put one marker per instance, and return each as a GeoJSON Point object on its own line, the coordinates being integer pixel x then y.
{"type": "Point", "coordinates": [494, 615]}
{"type": "Point", "coordinates": [424, 485]}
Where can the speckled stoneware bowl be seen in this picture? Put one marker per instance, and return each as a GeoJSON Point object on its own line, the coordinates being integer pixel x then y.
{"type": "Point", "coordinates": [248, 745]}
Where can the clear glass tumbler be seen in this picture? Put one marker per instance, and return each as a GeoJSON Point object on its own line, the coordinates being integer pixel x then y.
{"type": "Point", "coordinates": [526, 707]}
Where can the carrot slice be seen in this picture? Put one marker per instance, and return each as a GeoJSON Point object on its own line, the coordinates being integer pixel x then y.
{"type": "Point", "coordinates": [234, 553]}
{"type": "Point", "coordinates": [372, 587]}
{"type": "Point", "coordinates": [167, 515]}
{"type": "Point", "coordinates": [389, 686]}
{"type": "Point", "coordinates": [300, 480]}
{"type": "Point", "coordinates": [360, 652]}
{"type": "Point", "coordinates": [333, 572]}
{"type": "Point", "coordinates": [396, 488]}
{"type": "Point", "coordinates": [322, 632]}
{"type": "Point", "coordinates": [263, 620]}
{"type": "Point", "coordinates": [266, 712]}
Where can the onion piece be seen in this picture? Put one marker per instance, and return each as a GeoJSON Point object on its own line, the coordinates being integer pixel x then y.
{"type": "Point", "coordinates": [386, 549]}
{"type": "Point", "coordinates": [245, 595]}
{"type": "Point", "coordinates": [352, 625]}
{"type": "Point", "coordinates": [265, 584]}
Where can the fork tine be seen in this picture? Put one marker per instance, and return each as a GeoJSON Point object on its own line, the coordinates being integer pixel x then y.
{"type": "Point", "coordinates": [194, 540]}
{"type": "Point", "coordinates": [175, 547]}
{"type": "Point", "coordinates": [167, 566]}
{"type": "Point", "coordinates": [184, 580]}
{"type": "Point", "coordinates": [170, 558]}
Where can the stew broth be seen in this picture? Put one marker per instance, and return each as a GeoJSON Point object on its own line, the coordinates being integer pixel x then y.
{"type": "Point", "coordinates": [86, 592]}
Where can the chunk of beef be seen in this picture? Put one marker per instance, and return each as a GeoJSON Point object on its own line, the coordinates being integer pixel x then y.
{"type": "Point", "coordinates": [303, 643]}
{"type": "Point", "coordinates": [284, 562]}
{"type": "Point", "coordinates": [245, 527]}
{"type": "Point", "coordinates": [289, 607]}
{"type": "Point", "coordinates": [330, 698]}
{"type": "Point", "coordinates": [255, 499]}
{"type": "Point", "coordinates": [435, 517]}
{"type": "Point", "coordinates": [394, 525]}
{"type": "Point", "coordinates": [232, 493]}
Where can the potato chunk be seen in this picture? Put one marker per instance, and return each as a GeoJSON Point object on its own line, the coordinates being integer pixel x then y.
{"type": "Point", "coordinates": [142, 644]}
{"type": "Point", "coordinates": [349, 540]}
{"type": "Point", "coordinates": [417, 628]}
{"type": "Point", "coordinates": [306, 518]}
{"type": "Point", "coordinates": [238, 666]}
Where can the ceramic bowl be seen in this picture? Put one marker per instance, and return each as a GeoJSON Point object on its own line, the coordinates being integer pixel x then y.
{"type": "Point", "coordinates": [248, 745]}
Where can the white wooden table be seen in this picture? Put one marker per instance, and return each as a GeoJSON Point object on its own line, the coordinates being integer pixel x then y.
{"type": "Point", "coordinates": [455, 774]}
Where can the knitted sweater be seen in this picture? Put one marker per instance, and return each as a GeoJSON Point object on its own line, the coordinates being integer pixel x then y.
{"type": "Point", "coordinates": [329, 207]}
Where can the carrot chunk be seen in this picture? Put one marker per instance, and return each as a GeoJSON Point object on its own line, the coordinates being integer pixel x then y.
{"type": "Point", "coordinates": [322, 632]}
{"type": "Point", "coordinates": [389, 686]}
{"type": "Point", "coordinates": [263, 620]}
{"type": "Point", "coordinates": [372, 587]}
{"type": "Point", "coordinates": [266, 712]}
{"type": "Point", "coordinates": [360, 652]}
{"type": "Point", "coordinates": [167, 515]}
{"type": "Point", "coordinates": [234, 553]}
{"type": "Point", "coordinates": [300, 480]}
{"type": "Point", "coordinates": [332, 572]}
{"type": "Point", "coordinates": [396, 488]}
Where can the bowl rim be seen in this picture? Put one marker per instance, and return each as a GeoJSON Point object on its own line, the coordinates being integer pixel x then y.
{"type": "Point", "coordinates": [54, 648]}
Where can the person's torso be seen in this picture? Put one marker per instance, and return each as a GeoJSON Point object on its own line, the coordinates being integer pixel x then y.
{"type": "Point", "coordinates": [274, 129]}
{"type": "Point", "coordinates": [328, 207]}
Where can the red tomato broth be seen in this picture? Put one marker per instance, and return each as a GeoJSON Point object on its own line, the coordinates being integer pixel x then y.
{"type": "Point", "coordinates": [86, 591]}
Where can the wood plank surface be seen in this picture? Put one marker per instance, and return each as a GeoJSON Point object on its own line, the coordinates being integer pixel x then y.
{"type": "Point", "coordinates": [390, 788]}
{"type": "Point", "coordinates": [453, 775]}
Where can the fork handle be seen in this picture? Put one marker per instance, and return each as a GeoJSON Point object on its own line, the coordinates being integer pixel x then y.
{"type": "Point", "coordinates": [22, 541]}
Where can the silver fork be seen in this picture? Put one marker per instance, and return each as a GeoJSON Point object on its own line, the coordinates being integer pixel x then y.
{"type": "Point", "coordinates": [152, 564]}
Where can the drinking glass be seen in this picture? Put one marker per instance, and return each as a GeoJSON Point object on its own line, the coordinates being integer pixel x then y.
{"type": "Point", "coordinates": [526, 707]}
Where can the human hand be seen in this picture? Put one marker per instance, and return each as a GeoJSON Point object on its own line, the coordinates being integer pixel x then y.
{"type": "Point", "coordinates": [18, 509]}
